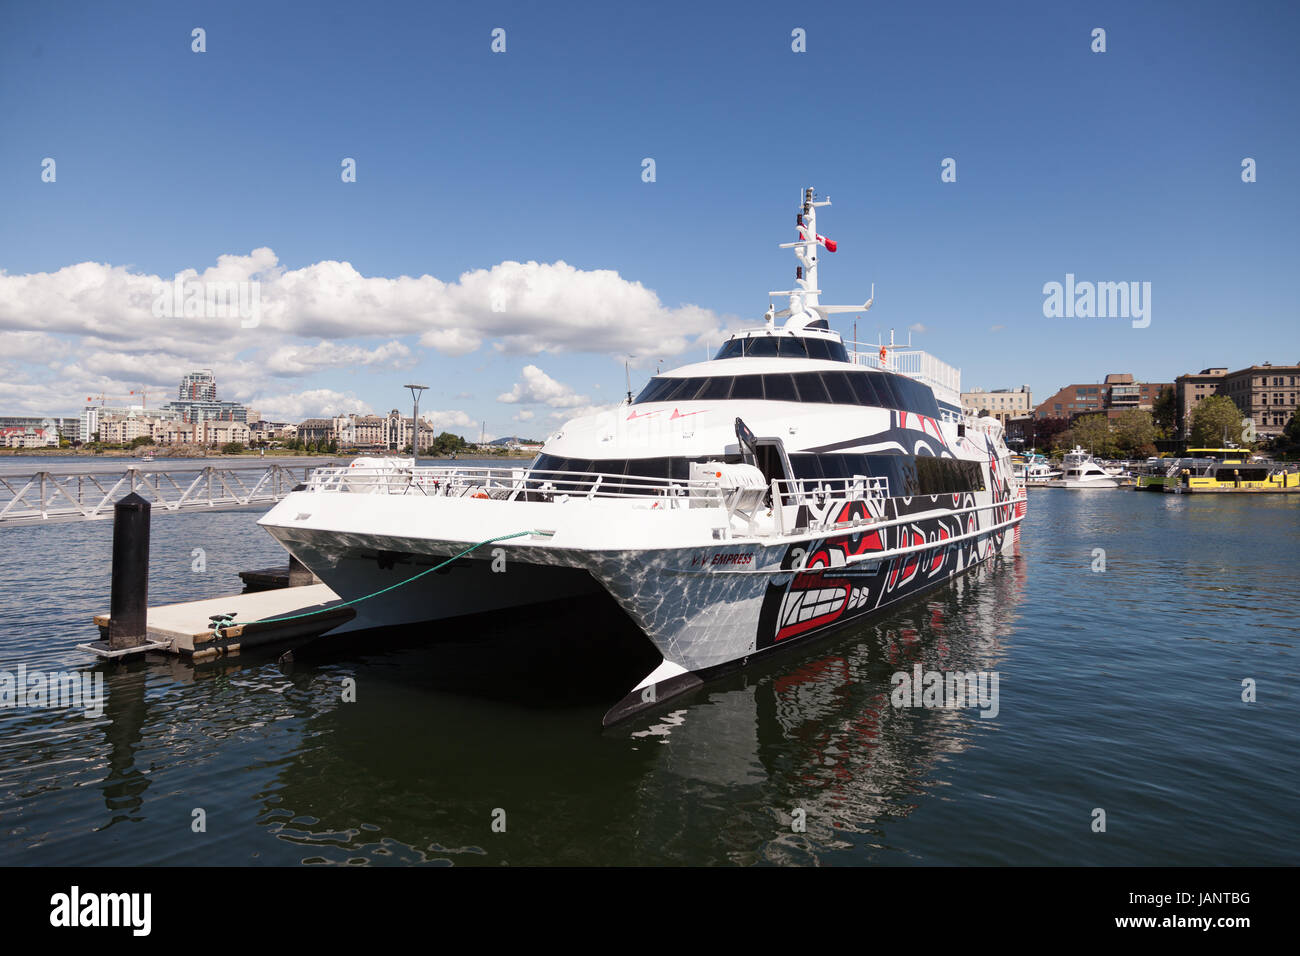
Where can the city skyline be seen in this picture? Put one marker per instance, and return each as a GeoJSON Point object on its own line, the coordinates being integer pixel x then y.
{"type": "Point", "coordinates": [496, 249]}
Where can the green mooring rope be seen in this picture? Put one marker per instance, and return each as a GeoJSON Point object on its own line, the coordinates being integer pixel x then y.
{"type": "Point", "coordinates": [367, 597]}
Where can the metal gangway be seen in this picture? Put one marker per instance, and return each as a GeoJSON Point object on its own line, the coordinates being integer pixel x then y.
{"type": "Point", "coordinates": [47, 496]}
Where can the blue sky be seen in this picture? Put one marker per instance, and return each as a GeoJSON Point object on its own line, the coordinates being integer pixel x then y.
{"type": "Point", "coordinates": [1115, 166]}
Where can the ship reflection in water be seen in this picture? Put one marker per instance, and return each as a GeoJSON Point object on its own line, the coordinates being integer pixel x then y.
{"type": "Point", "coordinates": [406, 775]}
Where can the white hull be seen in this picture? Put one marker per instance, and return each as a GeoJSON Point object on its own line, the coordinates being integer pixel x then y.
{"type": "Point", "coordinates": [1083, 483]}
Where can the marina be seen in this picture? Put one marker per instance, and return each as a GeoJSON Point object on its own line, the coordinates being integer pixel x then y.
{"type": "Point", "coordinates": [302, 777]}
{"type": "Point", "coordinates": [504, 456]}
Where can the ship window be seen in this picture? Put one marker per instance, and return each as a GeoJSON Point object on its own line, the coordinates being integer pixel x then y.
{"type": "Point", "coordinates": [763, 347]}
{"type": "Point", "coordinates": [715, 388]}
{"type": "Point", "coordinates": [884, 386]}
{"type": "Point", "coordinates": [747, 386]}
{"type": "Point", "coordinates": [735, 348]}
{"type": "Point", "coordinates": [819, 349]}
{"type": "Point", "coordinates": [683, 390]}
{"type": "Point", "coordinates": [839, 387]}
{"type": "Point", "coordinates": [654, 387]}
{"type": "Point", "coordinates": [862, 387]}
{"type": "Point", "coordinates": [811, 388]}
{"type": "Point", "coordinates": [791, 347]}
{"type": "Point", "coordinates": [780, 388]}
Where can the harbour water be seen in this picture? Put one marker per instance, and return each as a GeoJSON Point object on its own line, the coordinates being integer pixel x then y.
{"type": "Point", "coordinates": [1120, 689]}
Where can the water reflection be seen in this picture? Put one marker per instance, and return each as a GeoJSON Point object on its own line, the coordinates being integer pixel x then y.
{"type": "Point", "coordinates": [411, 773]}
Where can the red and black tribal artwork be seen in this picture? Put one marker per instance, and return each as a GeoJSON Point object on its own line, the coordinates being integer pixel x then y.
{"type": "Point", "coordinates": [834, 579]}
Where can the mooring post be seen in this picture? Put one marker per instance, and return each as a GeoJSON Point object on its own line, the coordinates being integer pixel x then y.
{"type": "Point", "coordinates": [129, 601]}
{"type": "Point", "coordinates": [299, 573]}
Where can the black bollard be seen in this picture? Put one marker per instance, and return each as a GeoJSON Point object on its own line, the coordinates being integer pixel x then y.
{"type": "Point", "coordinates": [129, 602]}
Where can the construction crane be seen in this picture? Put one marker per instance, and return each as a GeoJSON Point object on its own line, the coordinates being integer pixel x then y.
{"type": "Point", "coordinates": [102, 398]}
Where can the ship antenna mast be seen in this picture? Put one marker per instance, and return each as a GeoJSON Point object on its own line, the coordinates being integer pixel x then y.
{"type": "Point", "coordinates": [805, 305]}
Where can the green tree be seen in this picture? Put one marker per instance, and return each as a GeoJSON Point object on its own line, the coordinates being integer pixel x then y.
{"type": "Point", "coordinates": [1214, 420]}
{"type": "Point", "coordinates": [1093, 433]}
{"type": "Point", "coordinates": [142, 440]}
{"type": "Point", "coordinates": [232, 448]}
{"type": "Point", "coordinates": [1135, 433]}
{"type": "Point", "coordinates": [1164, 412]}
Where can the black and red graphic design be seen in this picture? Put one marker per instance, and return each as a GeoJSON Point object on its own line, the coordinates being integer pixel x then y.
{"type": "Point", "coordinates": [834, 579]}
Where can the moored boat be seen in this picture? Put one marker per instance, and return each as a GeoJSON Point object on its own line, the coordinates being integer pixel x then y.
{"type": "Point", "coordinates": [1079, 470]}
{"type": "Point", "coordinates": [735, 507]}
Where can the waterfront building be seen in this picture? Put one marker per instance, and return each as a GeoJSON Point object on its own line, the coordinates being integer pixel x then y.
{"type": "Point", "coordinates": [197, 400]}
{"type": "Point", "coordinates": [28, 436]}
{"type": "Point", "coordinates": [1190, 390]}
{"type": "Point", "coordinates": [198, 386]}
{"type": "Point", "coordinates": [93, 416]}
{"type": "Point", "coordinates": [53, 427]}
{"type": "Point", "coordinates": [1267, 394]}
{"type": "Point", "coordinates": [1003, 404]}
{"type": "Point", "coordinates": [1119, 392]}
{"type": "Point", "coordinates": [316, 430]}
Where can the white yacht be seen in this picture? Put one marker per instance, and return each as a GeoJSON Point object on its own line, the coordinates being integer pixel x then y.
{"type": "Point", "coordinates": [1080, 470]}
{"type": "Point", "coordinates": [735, 507]}
{"type": "Point", "coordinates": [1039, 471]}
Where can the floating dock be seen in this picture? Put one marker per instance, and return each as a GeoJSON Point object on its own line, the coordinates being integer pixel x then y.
{"type": "Point", "coordinates": [187, 629]}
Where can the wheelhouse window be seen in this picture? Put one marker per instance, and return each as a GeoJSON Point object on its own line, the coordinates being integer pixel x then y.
{"type": "Point", "coordinates": [879, 389]}
{"type": "Point", "coordinates": [784, 346]}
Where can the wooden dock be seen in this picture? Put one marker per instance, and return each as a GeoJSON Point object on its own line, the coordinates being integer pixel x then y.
{"type": "Point", "coordinates": [187, 629]}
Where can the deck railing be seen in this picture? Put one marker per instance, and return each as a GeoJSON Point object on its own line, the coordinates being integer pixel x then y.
{"type": "Point", "coordinates": [512, 484]}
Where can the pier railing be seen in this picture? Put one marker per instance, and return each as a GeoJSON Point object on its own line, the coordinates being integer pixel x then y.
{"type": "Point", "coordinates": [46, 496]}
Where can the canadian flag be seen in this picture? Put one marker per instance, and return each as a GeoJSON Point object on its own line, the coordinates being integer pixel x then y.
{"type": "Point", "coordinates": [828, 243]}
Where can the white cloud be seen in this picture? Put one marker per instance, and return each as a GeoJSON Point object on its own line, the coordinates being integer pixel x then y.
{"type": "Point", "coordinates": [91, 327]}
{"type": "Point", "coordinates": [564, 414]}
{"type": "Point", "coordinates": [918, 327]}
{"type": "Point", "coordinates": [539, 307]}
{"type": "Point", "coordinates": [538, 387]}
{"type": "Point", "coordinates": [448, 419]}
{"type": "Point", "coordinates": [523, 415]}
{"type": "Point", "coordinates": [996, 328]}
{"type": "Point", "coordinates": [312, 403]}
{"type": "Point", "coordinates": [301, 359]}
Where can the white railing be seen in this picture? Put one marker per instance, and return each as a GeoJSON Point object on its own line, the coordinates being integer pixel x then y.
{"type": "Point", "coordinates": [48, 496]}
{"type": "Point", "coordinates": [800, 491]}
{"type": "Point", "coordinates": [513, 484]}
{"type": "Point", "coordinates": [945, 379]}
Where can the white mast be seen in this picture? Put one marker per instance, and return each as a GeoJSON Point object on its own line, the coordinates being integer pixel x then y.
{"type": "Point", "coordinates": [805, 307]}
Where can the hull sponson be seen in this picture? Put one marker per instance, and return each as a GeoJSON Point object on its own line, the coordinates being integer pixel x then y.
{"type": "Point", "coordinates": [704, 607]}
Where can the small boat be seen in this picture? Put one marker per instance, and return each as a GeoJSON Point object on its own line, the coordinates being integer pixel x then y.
{"type": "Point", "coordinates": [1081, 470]}
{"type": "Point", "coordinates": [1039, 471]}
{"type": "Point", "coordinates": [1229, 470]}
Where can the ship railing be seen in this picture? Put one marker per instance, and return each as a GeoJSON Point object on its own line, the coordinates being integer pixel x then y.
{"type": "Point", "coordinates": [817, 492]}
{"type": "Point", "coordinates": [915, 363]}
{"type": "Point", "coordinates": [516, 484]}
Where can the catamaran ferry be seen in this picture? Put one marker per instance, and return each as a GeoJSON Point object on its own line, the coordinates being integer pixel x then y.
{"type": "Point", "coordinates": [735, 507]}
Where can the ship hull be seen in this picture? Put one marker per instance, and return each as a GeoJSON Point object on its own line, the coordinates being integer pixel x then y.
{"type": "Point", "coordinates": [707, 609]}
